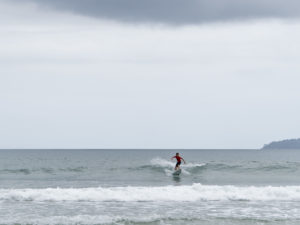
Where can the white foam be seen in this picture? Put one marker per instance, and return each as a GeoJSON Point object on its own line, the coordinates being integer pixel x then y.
{"type": "Point", "coordinates": [159, 162]}
{"type": "Point", "coordinates": [168, 165]}
{"type": "Point", "coordinates": [169, 172]}
{"type": "Point", "coordinates": [191, 165]}
{"type": "Point", "coordinates": [192, 193]}
{"type": "Point", "coordinates": [165, 163]}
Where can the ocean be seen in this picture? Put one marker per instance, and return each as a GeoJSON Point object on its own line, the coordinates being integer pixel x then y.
{"type": "Point", "coordinates": [122, 187]}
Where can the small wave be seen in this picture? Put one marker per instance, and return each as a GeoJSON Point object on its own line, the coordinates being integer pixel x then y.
{"type": "Point", "coordinates": [75, 169]}
{"type": "Point", "coordinates": [255, 166]}
{"type": "Point", "coordinates": [27, 171]}
{"type": "Point", "coordinates": [192, 193]}
{"type": "Point", "coordinates": [16, 171]}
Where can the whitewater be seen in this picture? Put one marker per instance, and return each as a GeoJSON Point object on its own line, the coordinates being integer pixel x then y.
{"type": "Point", "coordinates": [121, 187]}
{"type": "Point", "coordinates": [192, 193]}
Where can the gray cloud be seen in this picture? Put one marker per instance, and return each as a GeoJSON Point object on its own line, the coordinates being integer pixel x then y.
{"type": "Point", "coordinates": [177, 11]}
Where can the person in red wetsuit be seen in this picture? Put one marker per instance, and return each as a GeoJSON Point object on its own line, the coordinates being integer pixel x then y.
{"type": "Point", "coordinates": [178, 161]}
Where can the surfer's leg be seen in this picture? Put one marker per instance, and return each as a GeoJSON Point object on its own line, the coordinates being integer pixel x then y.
{"type": "Point", "coordinates": [178, 165]}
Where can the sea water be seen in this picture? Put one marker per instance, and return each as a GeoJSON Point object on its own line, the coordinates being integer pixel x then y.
{"type": "Point", "coordinates": [89, 187]}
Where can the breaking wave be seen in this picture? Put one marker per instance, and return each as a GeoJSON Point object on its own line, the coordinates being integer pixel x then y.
{"type": "Point", "coordinates": [191, 193]}
{"type": "Point", "coordinates": [167, 166]}
{"type": "Point", "coordinates": [235, 167]}
{"type": "Point", "coordinates": [158, 162]}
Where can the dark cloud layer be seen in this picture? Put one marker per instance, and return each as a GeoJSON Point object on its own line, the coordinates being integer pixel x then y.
{"type": "Point", "coordinates": [178, 11]}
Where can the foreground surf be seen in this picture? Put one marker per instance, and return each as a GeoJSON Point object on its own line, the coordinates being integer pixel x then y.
{"type": "Point", "coordinates": [191, 193]}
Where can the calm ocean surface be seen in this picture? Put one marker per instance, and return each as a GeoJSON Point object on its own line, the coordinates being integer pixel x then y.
{"type": "Point", "coordinates": [89, 187]}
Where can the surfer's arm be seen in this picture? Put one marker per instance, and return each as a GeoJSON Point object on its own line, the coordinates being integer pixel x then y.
{"type": "Point", "coordinates": [183, 160]}
{"type": "Point", "coordinates": [172, 157]}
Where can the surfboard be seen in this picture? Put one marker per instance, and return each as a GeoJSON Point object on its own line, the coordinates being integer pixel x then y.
{"type": "Point", "coordinates": [177, 172]}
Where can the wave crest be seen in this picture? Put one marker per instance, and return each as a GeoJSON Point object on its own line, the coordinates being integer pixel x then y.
{"type": "Point", "coordinates": [192, 193]}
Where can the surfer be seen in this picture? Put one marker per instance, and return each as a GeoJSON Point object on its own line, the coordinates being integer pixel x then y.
{"type": "Point", "coordinates": [178, 160]}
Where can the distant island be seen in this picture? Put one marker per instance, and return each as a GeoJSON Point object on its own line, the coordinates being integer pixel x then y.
{"type": "Point", "coordinates": [284, 144]}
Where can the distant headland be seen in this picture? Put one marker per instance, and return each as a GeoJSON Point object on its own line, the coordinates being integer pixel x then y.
{"type": "Point", "coordinates": [284, 144]}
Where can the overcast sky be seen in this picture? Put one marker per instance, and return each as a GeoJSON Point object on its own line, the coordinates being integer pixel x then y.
{"type": "Point", "coordinates": [148, 74]}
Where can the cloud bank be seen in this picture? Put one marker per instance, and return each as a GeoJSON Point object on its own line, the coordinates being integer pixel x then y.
{"type": "Point", "coordinates": [177, 11]}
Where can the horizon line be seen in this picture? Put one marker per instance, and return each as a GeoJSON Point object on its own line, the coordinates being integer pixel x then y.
{"type": "Point", "coordinates": [130, 149]}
